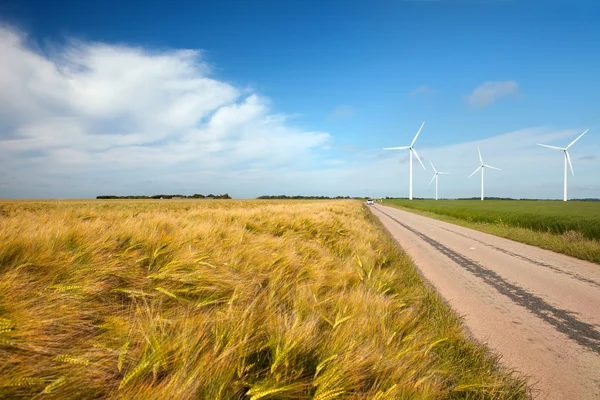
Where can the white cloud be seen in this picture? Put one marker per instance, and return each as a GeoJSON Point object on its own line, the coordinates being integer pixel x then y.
{"type": "Point", "coordinates": [488, 92]}
{"type": "Point", "coordinates": [342, 111]}
{"type": "Point", "coordinates": [421, 90]}
{"type": "Point", "coordinates": [85, 111]}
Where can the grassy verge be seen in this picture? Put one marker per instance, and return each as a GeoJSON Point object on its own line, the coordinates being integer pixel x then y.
{"type": "Point", "coordinates": [571, 242]}
{"type": "Point", "coordinates": [224, 300]}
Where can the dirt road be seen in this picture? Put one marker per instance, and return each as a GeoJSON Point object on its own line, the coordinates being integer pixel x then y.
{"type": "Point", "coordinates": [540, 310]}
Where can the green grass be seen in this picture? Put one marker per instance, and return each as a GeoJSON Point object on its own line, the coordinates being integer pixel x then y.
{"type": "Point", "coordinates": [224, 300]}
{"type": "Point", "coordinates": [571, 228]}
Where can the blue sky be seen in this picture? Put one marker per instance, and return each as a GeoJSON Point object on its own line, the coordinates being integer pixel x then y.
{"type": "Point", "coordinates": [296, 97]}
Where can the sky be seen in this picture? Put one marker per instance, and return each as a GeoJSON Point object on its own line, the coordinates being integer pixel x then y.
{"type": "Point", "coordinates": [257, 97]}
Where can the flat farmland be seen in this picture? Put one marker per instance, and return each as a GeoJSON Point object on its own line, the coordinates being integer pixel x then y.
{"type": "Point", "coordinates": [224, 300]}
{"type": "Point", "coordinates": [572, 228]}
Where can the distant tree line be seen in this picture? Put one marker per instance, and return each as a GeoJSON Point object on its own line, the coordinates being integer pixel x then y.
{"type": "Point", "coordinates": [168, 196]}
{"type": "Point", "coordinates": [491, 198]}
{"type": "Point", "coordinates": [460, 198]}
{"type": "Point", "coordinates": [284, 197]}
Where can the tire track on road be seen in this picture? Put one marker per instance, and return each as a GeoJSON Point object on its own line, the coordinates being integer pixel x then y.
{"type": "Point", "coordinates": [528, 259]}
{"type": "Point", "coordinates": [563, 320]}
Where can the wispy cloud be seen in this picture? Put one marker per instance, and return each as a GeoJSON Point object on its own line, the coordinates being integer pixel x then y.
{"type": "Point", "coordinates": [342, 111]}
{"type": "Point", "coordinates": [489, 92]}
{"type": "Point", "coordinates": [92, 111]}
{"type": "Point", "coordinates": [421, 90]}
{"type": "Point", "coordinates": [588, 158]}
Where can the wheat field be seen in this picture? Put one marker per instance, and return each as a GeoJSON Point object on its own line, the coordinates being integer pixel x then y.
{"type": "Point", "coordinates": [203, 299]}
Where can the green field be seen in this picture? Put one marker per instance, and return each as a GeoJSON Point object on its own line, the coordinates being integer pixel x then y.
{"type": "Point", "coordinates": [570, 227]}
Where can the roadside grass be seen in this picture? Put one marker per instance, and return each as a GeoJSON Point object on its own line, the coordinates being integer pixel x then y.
{"type": "Point", "coordinates": [224, 300]}
{"type": "Point", "coordinates": [570, 228]}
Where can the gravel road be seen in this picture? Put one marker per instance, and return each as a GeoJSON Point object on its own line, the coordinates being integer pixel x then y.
{"type": "Point", "coordinates": [538, 309]}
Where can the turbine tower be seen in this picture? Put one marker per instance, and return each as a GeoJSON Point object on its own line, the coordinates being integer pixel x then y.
{"type": "Point", "coordinates": [435, 176]}
{"type": "Point", "coordinates": [482, 167]}
{"type": "Point", "coordinates": [567, 159]}
{"type": "Point", "coordinates": [411, 150]}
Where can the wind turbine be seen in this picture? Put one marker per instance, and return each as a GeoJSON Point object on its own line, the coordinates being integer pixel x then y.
{"type": "Point", "coordinates": [482, 167]}
{"type": "Point", "coordinates": [412, 150]}
{"type": "Point", "coordinates": [567, 159]}
{"type": "Point", "coordinates": [435, 176]}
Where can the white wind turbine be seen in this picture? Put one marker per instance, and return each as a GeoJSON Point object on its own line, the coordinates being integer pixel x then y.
{"type": "Point", "coordinates": [567, 159]}
{"type": "Point", "coordinates": [482, 167]}
{"type": "Point", "coordinates": [435, 176]}
{"type": "Point", "coordinates": [412, 150]}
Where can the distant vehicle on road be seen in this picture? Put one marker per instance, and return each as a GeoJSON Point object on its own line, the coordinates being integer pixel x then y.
{"type": "Point", "coordinates": [370, 201]}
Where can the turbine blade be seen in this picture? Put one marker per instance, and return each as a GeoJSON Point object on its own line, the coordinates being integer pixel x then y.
{"type": "Point", "coordinates": [550, 147]}
{"type": "Point", "coordinates": [444, 173]}
{"type": "Point", "coordinates": [569, 160]}
{"type": "Point", "coordinates": [489, 166]}
{"type": "Point", "coordinates": [417, 135]}
{"type": "Point", "coordinates": [397, 148]}
{"type": "Point", "coordinates": [432, 167]}
{"type": "Point", "coordinates": [432, 179]}
{"type": "Point", "coordinates": [478, 168]}
{"type": "Point", "coordinates": [479, 151]}
{"type": "Point", "coordinates": [578, 137]}
{"type": "Point", "coordinates": [416, 155]}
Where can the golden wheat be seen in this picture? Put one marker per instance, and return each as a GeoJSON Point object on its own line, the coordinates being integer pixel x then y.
{"type": "Point", "coordinates": [223, 300]}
